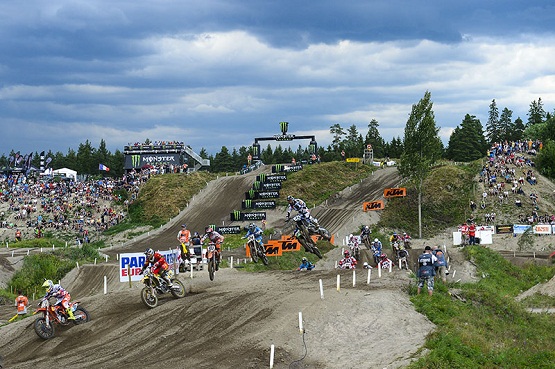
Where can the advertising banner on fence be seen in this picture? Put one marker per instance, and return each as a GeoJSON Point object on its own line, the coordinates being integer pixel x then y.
{"type": "Point", "coordinates": [252, 194]}
{"type": "Point", "coordinates": [542, 229]}
{"type": "Point", "coordinates": [136, 260]}
{"type": "Point", "coordinates": [488, 228]}
{"type": "Point", "coordinates": [229, 230]}
{"type": "Point", "coordinates": [237, 216]}
{"type": "Point", "coordinates": [520, 228]}
{"type": "Point", "coordinates": [268, 178]}
{"type": "Point", "coordinates": [504, 229]}
{"type": "Point", "coordinates": [483, 237]}
{"type": "Point", "coordinates": [260, 204]}
{"type": "Point", "coordinates": [394, 192]}
{"type": "Point", "coordinates": [373, 205]}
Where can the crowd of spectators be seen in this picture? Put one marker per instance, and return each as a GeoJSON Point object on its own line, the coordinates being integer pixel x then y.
{"type": "Point", "coordinates": [37, 204]}
{"type": "Point", "coordinates": [509, 176]}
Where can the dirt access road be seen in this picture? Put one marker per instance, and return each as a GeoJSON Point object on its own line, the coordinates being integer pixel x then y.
{"type": "Point", "coordinates": [232, 322]}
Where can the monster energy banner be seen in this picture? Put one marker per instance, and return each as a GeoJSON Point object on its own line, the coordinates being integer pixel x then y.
{"type": "Point", "coordinates": [252, 194]}
{"type": "Point", "coordinates": [259, 186]}
{"type": "Point", "coordinates": [249, 204]}
{"type": "Point", "coordinates": [265, 178]}
{"type": "Point", "coordinates": [138, 160]}
{"type": "Point", "coordinates": [279, 168]}
{"type": "Point", "coordinates": [229, 230]}
{"type": "Point", "coordinates": [237, 216]}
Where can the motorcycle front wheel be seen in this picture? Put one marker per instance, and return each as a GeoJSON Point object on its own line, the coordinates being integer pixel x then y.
{"type": "Point", "coordinates": [178, 292]}
{"type": "Point", "coordinates": [42, 330]}
{"type": "Point", "coordinates": [253, 252]}
{"type": "Point", "coordinates": [211, 267]}
{"type": "Point", "coordinates": [149, 298]}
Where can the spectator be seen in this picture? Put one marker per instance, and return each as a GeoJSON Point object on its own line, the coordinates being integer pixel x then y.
{"type": "Point", "coordinates": [442, 268]}
{"type": "Point", "coordinates": [21, 303]}
{"type": "Point", "coordinates": [426, 270]}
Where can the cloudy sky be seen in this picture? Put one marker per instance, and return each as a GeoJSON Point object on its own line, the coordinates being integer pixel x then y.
{"type": "Point", "coordinates": [216, 73]}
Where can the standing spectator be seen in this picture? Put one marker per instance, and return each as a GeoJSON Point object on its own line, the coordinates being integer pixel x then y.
{"type": "Point", "coordinates": [442, 268]}
{"type": "Point", "coordinates": [17, 235]}
{"type": "Point", "coordinates": [426, 270]}
{"type": "Point", "coordinates": [184, 236]}
{"type": "Point", "coordinates": [21, 303]}
{"type": "Point", "coordinates": [343, 155]}
{"type": "Point", "coordinates": [472, 234]}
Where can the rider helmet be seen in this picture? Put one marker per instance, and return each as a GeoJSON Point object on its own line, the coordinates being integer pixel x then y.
{"type": "Point", "coordinates": [395, 233]}
{"type": "Point", "coordinates": [290, 198]}
{"type": "Point", "coordinates": [346, 253]}
{"type": "Point", "coordinates": [184, 226]}
{"type": "Point", "coordinates": [305, 259]}
{"type": "Point", "coordinates": [48, 284]}
{"type": "Point", "coordinates": [195, 234]}
{"type": "Point", "coordinates": [376, 240]}
{"type": "Point", "coordinates": [252, 227]}
{"type": "Point", "coordinates": [209, 230]}
{"type": "Point", "coordinates": [404, 233]}
{"type": "Point", "coordinates": [365, 228]}
{"type": "Point", "coordinates": [383, 256]}
{"type": "Point", "coordinates": [149, 253]}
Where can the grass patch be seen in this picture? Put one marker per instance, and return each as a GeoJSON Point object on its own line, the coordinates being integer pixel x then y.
{"type": "Point", "coordinates": [490, 329]}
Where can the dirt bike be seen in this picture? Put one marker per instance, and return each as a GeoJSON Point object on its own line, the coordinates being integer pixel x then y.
{"type": "Point", "coordinates": [355, 250]}
{"type": "Point", "coordinates": [365, 239]}
{"type": "Point", "coordinates": [402, 256]}
{"type": "Point", "coordinates": [257, 250]}
{"type": "Point", "coordinates": [377, 254]}
{"type": "Point", "coordinates": [395, 249]}
{"type": "Point", "coordinates": [156, 285]}
{"type": "Point", "coordinates": [302, 234]}
{"type": "Point", "coordinates": [407, 243]}
{"type": "Point", "coordinates": [213, 262]}
{"type": "Point", "coordinates": [185, 258]}
{"type": "Point", "coordinates": [56, 314]}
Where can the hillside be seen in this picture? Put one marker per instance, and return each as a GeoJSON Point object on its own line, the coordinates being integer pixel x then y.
{"type": "Point", "coordinates": [242, 314]}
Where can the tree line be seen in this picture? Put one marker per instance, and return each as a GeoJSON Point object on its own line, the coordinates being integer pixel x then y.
{"type": "Point", "coordinates": [468, 141]}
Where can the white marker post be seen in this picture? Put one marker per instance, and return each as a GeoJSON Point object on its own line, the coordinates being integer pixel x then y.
{"type": "Point", "coordinates": [301, 322]}
{"type": "Point", "coordinates": [321, 289]}
{"type": "Point", "coordinates": [369, 274]}
{"type": "Point", "coordinates": [338, 283]}
{"type": "Point", "coordinates": [379, 270]}
{"type": "Point", "coordinates": [271, 356]}
{"type": "Point", "coordinates": [105, 285]}
{"type": "Point", "coordinates": [354, 277]}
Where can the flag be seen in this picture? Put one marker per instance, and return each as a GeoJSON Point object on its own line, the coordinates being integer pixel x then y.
{"type": "Point", "coordinates": [103, 167]}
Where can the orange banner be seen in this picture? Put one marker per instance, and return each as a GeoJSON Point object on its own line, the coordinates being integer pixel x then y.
{"type": "Point", "coordinates": [394, 192]}
{"type": "Point", "coordinates": [373, 205]}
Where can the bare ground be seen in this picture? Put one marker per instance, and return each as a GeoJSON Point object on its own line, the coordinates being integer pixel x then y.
{"type": "Point", "coordinates": [233, 320]}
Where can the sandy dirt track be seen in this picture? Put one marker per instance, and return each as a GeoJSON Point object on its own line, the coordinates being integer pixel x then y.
{"type": "Point", "coordinates": [231, 322]}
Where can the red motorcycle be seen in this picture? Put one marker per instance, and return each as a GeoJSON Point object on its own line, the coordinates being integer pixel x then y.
{"type": "Point", "coordinates": [56, 314]}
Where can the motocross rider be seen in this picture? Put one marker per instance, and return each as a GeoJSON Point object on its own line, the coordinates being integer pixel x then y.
{"type": "Point", "coordinates": [365, 233]}
{"type": "Point", "coordinates": [257, 232]}
{"type": "Point", "coordinates": [348, 262]}
{"type": "Point", "coordinates": [377, 246]}
{"type": "Point", "coordinates": [159, 266]}
{"type": "Point", "coordinates": [62, 296]}
{"type": "Point", "coordinates": [301, 208]}
{"type": "Point", "coordinates": [184, 236]}
{"type": "Point", "coordinates": [217, 239]}
{"type": "Point", "coordinates": [306, 265]}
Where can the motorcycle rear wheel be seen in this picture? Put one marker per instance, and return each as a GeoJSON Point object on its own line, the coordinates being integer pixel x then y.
{"type": "Point", "coordinates": [81, 315]}
{"type": "Point", "coordinates": [42, 330]}
{"type": "Point", "coordinates": [178, 292]}
{"type": "Point", "coordinates": [149, 297]}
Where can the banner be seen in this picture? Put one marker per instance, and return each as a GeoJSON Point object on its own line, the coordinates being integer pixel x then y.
{"type": "Point", "coordinates": [250, 204]}
{"type": "Point", "coordinates": [279, 168]}
{"type": "Point", "coordinates": [262, 186]}
{"type": "Point", "coordinates": [252, 194]}
{"type": "Point", "coordinates": [138, 160]}
{"type": "Point", "coordinates": [352, 160]}
{"type": "Point", "coordinates": [520, 228]}
{"type": "Point", "coordinates": [394, 192]}
{"type": "Point", "coordinates": [228, 230]}
{"type": "Point", "coordinates": [504, 229]}
{"type": "Point", "coordinates": [136, 260]}
{"type": "Point", "coordinates": [373, 205]}
{"type": "Point", "coordinates": [268, 178]}
{"type": "Point", "coordinates": [237, 216]}
{"type": "Point", "coordinates": [542, 229]}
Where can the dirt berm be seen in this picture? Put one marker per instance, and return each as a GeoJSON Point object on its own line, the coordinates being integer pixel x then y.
{"type": "Point", "coordinates": [233, 321]}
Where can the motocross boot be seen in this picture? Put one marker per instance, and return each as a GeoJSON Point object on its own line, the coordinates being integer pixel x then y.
{"type": "Point", "coordinates": [70, 315]}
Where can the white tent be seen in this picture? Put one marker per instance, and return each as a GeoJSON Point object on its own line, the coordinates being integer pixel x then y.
{"type": "Point", "coordinates": [66, 172]}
